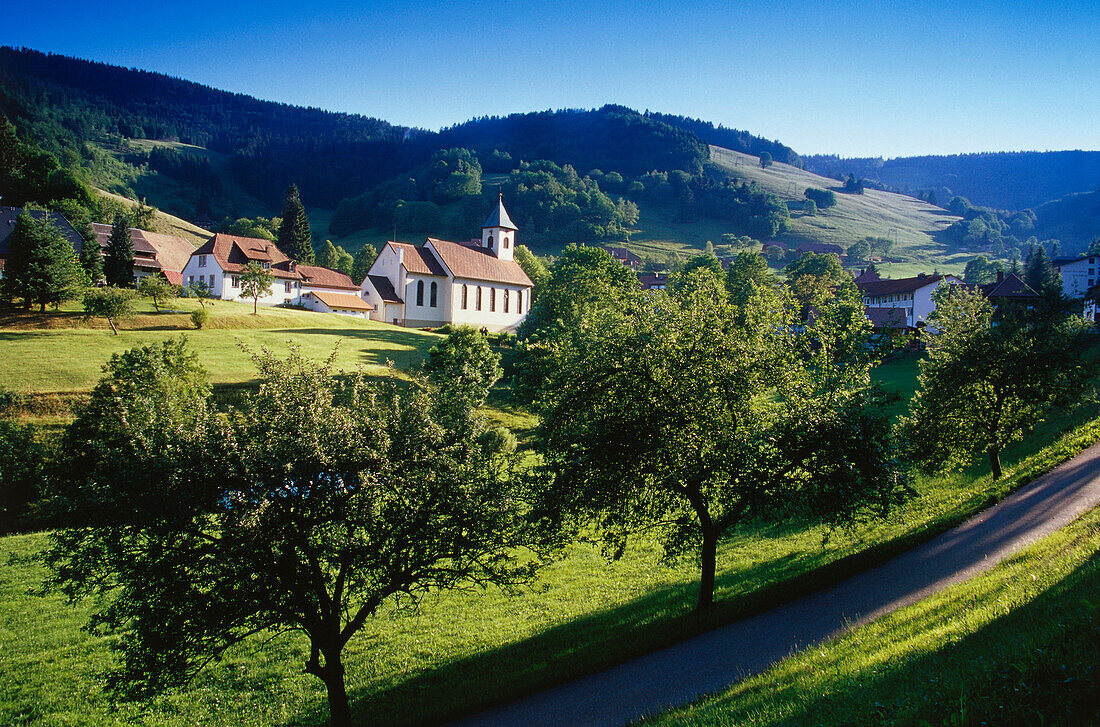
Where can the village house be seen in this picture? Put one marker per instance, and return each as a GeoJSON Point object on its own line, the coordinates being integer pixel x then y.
{"type": "Point", "coordinates": [476, 283]}
{"type": "Point", "coordinates": [220, 263]}
{"type": "Point", "coordinates": [624, 256]}
{"type": "Point", "coordinates": [154, 253]}
{"type": "Point", "coordinates": [653, 281]}
{"type": "Point", "coordinates": [1078, 278]}
{"type": "Point", "coordinates": [909, 297]}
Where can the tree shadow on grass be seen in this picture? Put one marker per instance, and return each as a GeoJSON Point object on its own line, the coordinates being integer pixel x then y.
{"type": "Point", "coordinates": [407, 347]}
{"type": "Point", "coordinates": [1037, 664]}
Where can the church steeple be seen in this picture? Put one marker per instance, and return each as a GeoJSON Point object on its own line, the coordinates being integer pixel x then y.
{"type": "Point", "coordinates": [498, 232]}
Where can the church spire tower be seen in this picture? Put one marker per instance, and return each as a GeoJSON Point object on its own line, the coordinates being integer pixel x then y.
{"type": "Point", "coordinates": [498, 234]}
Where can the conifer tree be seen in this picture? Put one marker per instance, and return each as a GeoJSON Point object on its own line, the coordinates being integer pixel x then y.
{"type": "Point", "coordinates": [1040, 274]}
{"type": "Point", "coordinates": [91, 260]}
{"type": "Point", "coordinates": [41, 266]}
{"type": "Point", "coordinates": [327, 255]}
{"type": "Point", "coordinates": [295, 239]}
{"type": "Point", "coordinates": [118, 262]}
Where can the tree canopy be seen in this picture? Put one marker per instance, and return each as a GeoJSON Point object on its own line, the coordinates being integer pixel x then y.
{"type": "Point", "coordinates": [256, 282]}
{"type": "Point", "coordinates": [41, 267]}
{"type": "Point", "coordinates": [118, 262]}
{"type": "Point", "coordinates": [306, 508]}
{"type": "Point", "coordinates": [686, 414]}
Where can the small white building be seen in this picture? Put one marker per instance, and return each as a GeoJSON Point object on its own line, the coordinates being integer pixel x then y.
{"type": "Point", "coordinates": [911, 298]}
{"type": "Point", "coordinates": [1078, 277]}
{"type": "Point", "coordinates": [476, 283]}
{"type": "Point", "coordinates": [223, 259]}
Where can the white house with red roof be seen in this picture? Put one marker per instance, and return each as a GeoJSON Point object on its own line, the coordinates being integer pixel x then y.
{"type": "Point", "coordinates": [908, 300]}
{"type": "Point", "coordinates": [223, 259]}
{"type": "Point", "coordinates": [476, 283]}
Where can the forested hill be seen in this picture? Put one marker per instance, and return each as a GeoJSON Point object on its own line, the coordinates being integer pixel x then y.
{"type": "Point", "coordinates": [76, 109]}
{"type": "Point", "coordinates": [1001, 180]}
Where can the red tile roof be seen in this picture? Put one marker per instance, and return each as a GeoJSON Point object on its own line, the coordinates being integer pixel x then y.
{"type": "Point", "coordinates": [478, 263]}
{"type": "Point", "coordinates": [418, 260]}
{"type": "Point", "coordinates": [234, 253]}
{"type": "Point", "coordinates": [343, 301]}
{"type": "Point", "coordinates": [173, 276]}
{"type": "Point", "coordinates": [170, 251]}
{"type": "Point", "coordinates": [873, 288]}
{"type": "Point", "coordinates": [325, 278]}
{"type": "Point", "coordinates": [885, 317]}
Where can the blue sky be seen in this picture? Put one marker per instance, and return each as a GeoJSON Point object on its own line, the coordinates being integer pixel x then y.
{"type": "Point", "coordinates": [855, 78]}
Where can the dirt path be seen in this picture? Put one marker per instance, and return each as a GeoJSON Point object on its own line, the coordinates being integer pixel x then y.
{"type": "Point", "coordinates": [715, 660]}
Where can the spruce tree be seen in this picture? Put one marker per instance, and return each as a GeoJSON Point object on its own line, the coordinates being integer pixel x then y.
{"type": "Point", "coordinates": [41, 266]}
{"type": "Point", "coordinates": [91, 259]}
{"type": "Point", "coordinates": [1040, 274]}
{"type": "Point", "coordinates": [295, 239]}
{"type": "Point", "coordinates": [118, 263]}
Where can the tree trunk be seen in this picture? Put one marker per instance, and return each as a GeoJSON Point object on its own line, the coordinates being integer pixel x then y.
{"type": "Point", "coordinates": [112, 325]}
{"type": "Point", "coordinates": [709, 554]}
{"type": "Point", "coordinates": [995, 461]}
{"type": "Point", "coordinates": [338, 707]}
{"type": "Point", "coordinates": [255, 309]}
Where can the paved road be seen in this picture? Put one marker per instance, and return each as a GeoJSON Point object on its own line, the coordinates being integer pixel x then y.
{"type": "Point", "coordinates": [713, 661]}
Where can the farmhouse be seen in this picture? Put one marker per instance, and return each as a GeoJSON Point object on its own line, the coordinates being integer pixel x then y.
{"type": "Point", "coordinates": [911, 297]}
{"type": "Point", "coordinates": [220, 263]}
{"type": "Point", "coordinates": [624, 256]}
{"type": "Point", "coordinates": [476, 283]}
{"type": "Point", "coordinates": [154, 253]}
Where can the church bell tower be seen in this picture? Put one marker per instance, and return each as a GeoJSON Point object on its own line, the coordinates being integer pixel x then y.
{"type": "Point", "coordinates": [498, 234]}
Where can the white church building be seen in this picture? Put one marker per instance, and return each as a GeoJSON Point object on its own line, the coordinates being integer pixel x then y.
{"type": "Point", "coordinates": [476, 283]}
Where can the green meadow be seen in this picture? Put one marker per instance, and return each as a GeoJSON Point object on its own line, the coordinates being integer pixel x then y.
{"type": "Point", "coordinates": [462, 651]}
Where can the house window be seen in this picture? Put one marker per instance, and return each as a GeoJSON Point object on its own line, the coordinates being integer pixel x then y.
{"type": "Point", "coordinates": [464, 294]}
{"type": "Point", "coordinates": [519, 301]}
{"type": "Point", "coordinates": [492, 300]}
{"type": "Point", "coordinates": [265, 265]}
{"type": "Point", "coordinates": [432, 299]}
{"type": "Point", "coordinates": [202, 261]}
{"type": "Point", "coordinates": [506, 290]}
{"type": "Point", "coordinates": [287, 286]}
{"type": "Point", "coordinates": [211, 282]}
{"type": "Point", "coordinates": [235, 281]}
{"type": "Point", "coordinates": [477, 304]}
{"type": "Point", "coordinates": [190, 280]}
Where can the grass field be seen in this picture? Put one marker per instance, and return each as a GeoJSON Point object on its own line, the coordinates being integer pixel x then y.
{"type": "Point", "coordinates": [1017, 646]}
{"type": "Point", "coordinates": [61, 353]}
{"type": "Point", "coordinates": [467, 650]}
{"type": "Point", "coordinates": [914, 223]}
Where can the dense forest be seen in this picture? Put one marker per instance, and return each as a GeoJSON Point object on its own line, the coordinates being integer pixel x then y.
{"type": "Point", "coordinates": [1001, 180]}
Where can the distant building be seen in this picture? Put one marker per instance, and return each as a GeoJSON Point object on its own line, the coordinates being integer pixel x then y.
{"type": "Point", "coordinates": [653, 281]}
{"type": "Point", "coordinates": [1078, 278]}
{"type": "Point", "coordinates": [912, 297]}
{"type": "Point", "coordinates": [223, 259]}
{"type": "Point", "coordinates": [8, 216]}
{"type": "Point", "coordinates": [474, 283]}
{"type": "Point", "coordinates": [624, 256]}
{"type": "Point", "coordinates": [819, 248]}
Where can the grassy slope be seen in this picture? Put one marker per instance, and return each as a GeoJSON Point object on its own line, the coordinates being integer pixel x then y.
{"type": "Point", "coordinates": [468, 649]}
{"type": "Point", "coordinates": [1019, 645]}
{"type": "Point", "coordinates": [168, 224]}
{"type": "Point", "coordinates": [61, 353]}
{"type": "Point", "coordinates": [874, 213]}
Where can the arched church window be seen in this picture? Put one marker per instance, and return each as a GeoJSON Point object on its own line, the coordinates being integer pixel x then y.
{"type": "Point", "coordinates": [435, 290]}
{"type": "Point", "coordinates": [490, 241]}
{"type": "Point", "coordinates": [420, 292]}
{"type": "Point", "coordinates": [506, 296]}
{"type": "Point", "coordinates": [505, 242]}
{"type": "Point", "coordinates": [465, 293]}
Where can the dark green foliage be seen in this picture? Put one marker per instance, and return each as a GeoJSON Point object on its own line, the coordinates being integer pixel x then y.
{"type": "Point", "coordinates": [260, 227]}
{"type": "Point", "coordinates": [200, 317]}
{"type": "Point", "coordinates": [823, 198]}
{"type": "Point", "coordinates": [809, 208]}
{"type": "Point", "coordinates": [683, 272]}
{"type": "Point", "coordinates": [981, 270]}
{"type": "Point", "coordinates": [363, 260]}
{"type": "Point", "coordinates": [110, 303]}
{"type": "Point", "coordinates": [295, 238]}
{"type": "Point", "coordinates": [853, 185]}
{"type": "Point", "coordinates": [859, 251]}
{"type": "Point", "coordinates": [463, 366]}
{"type": "Point", "coordinates": [158, 289]}
{"type": "Point", "coordinates": [814, 278]}
{"type": "Point", "coordinates": [734, 139]}
{"type": "Point", "coordinates": [747, 273]}
{"type": "Point", "coordinates": [1040, 274]}
{"type": "Point", "coordinates": [989, 378]}
{"type": "Point", "coordinates": [417, 217]}
{"type": "Point", "coordinates": [534, 267]}
{"type": "Point", "coordinates": [316, 502]}
{"type": "Point", "coordinates": [765, 159]}
{"type": "Point", "coordinates": [22, 473]}
{"type": "Point", "coordinates": [118, 258]}
{"type": "Point", "coordinates": [41, 267]}
{"type": "Point", "coordinates": [674, 413]}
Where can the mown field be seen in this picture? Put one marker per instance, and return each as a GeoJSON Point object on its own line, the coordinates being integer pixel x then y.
{"type": "Point", "coordinates": [467, 650]}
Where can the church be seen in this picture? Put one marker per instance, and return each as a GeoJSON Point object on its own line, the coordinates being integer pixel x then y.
{"type": "Point", "coordinates": [477, 283]}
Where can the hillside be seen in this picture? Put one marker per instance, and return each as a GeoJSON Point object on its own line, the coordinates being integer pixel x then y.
{"type": "Point", "coordinates": [1002, 180]}
{"type": "Point", "coordinates": [916, 225]}
{"type": "Point", "coordinates": [166, 223]}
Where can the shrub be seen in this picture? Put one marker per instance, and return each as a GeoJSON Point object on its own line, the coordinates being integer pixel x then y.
{"type": "Point", "coordinates": [200, 317]}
